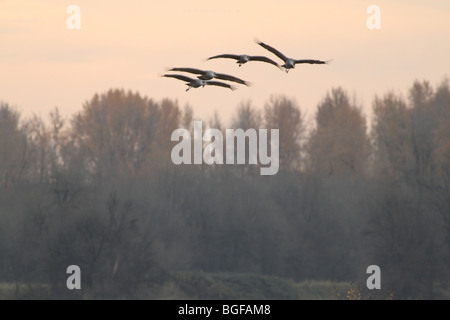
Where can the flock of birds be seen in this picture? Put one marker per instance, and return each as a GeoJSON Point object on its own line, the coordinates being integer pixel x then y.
{"type": "Point", "coordinates": [205, 77]}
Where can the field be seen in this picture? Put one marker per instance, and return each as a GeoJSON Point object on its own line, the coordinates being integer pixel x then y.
{"type": "Point", "coordinates": [200, 285]}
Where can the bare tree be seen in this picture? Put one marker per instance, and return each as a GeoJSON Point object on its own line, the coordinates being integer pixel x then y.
{"type": "Point", "coordinates": [284, 114]}
{"type": "Point", "coordinates": [339, 144]}
{"type": "Point", "coordinates": [13, 147]}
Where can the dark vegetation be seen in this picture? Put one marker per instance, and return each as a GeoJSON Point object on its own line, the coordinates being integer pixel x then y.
{"type": "Point", "coordinates": [100, 191]}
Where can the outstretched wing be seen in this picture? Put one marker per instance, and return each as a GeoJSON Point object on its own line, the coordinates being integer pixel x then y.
{"type": "Point", "coordinates": [227, 56]}
{"type": "Point", "coordinates": [223, 76]}
{"type": "Point", "coordinates": [264, 59]}
{"type": "Point", "coordinates": [273, 50]}
{"type": "Point", "coordinates": [190, 70]}
{"type": "Point", "coordinates": [311, 61]}
{"type": "Point", "coordinates": [220, 84]}
{"type": "Point", "coordinates": [179, 77]}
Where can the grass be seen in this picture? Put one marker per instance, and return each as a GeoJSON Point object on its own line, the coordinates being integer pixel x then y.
{"type": "Point", "coordinates": [202, 285]}
{"type": "Point", "coordinates": [220, 286]}
{"type": "Point", "coordinates": [20, 291]}
{"type": "Point", "coordinates": [226, 286]}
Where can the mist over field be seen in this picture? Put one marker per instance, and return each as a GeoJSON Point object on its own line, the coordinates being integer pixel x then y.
{"type": "Point", "coordinates": [99, 190]}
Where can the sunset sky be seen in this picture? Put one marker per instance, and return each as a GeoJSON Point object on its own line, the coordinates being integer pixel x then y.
{"type": "Point", "coordinates": [130, 44]}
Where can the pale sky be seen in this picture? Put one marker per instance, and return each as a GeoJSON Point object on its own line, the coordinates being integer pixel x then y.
{"type": "Point", "coordinates": [130, 44]}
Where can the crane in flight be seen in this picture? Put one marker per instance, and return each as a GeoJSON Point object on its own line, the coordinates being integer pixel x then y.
{"type": "Point", "coordinates": [289, 63]}
{"type": "Point", "coordinates": [209, 75]}
{"type": "Point", "coordinates": [244, 58]}
{"type": "Point", "coordinates": [196, 83]}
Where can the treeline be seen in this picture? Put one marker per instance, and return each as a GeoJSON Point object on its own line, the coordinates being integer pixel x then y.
{"type": "Point", "coordinates": [100, 191]}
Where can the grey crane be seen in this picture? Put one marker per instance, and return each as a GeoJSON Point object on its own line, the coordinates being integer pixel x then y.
{"type": "Point", "coordinates": [209, 75]}
{"type": "Point", "coordinates": [244, 58]}
{"type": "Point", "coordinates": [289, 63]}
{"type": "Point", "coordinates": [196, 83]}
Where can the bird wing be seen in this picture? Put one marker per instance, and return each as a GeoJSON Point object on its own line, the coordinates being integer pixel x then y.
{"type": "Point", "coordinates": [179, 77]}
{"type": "Point", "coordinates": [190, 70]}
{"type": "Point", "coordinates": [223, 76]}
{"type": "Point", "coordinates": [311, 61]}
{"type": "Point", "coordinates": [220, 84]}
{"type": "Point", "coordinates": [264, 59]}
{"type": "Point", "coordinates": [229, 56]}
{"type": "Point", "coordinates": [273, 50]}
